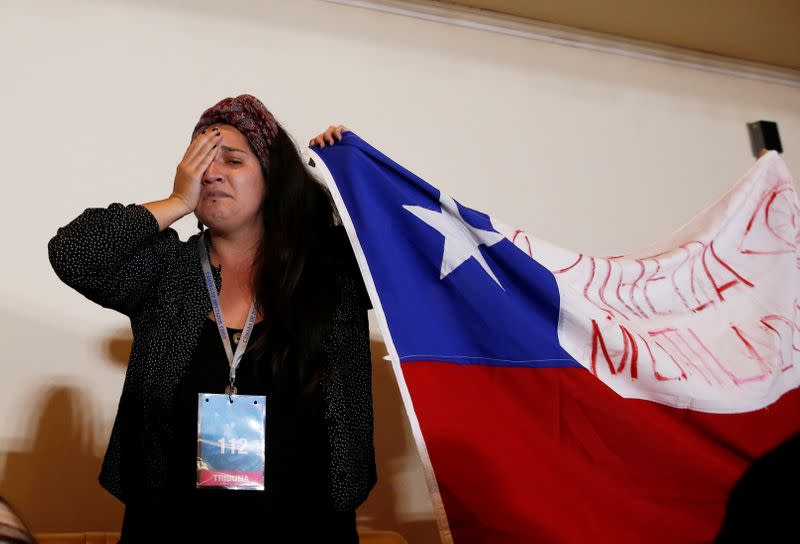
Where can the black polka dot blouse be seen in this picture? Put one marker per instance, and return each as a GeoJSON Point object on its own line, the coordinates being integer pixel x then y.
{"type": "Point", "coordinates": [117, 257]}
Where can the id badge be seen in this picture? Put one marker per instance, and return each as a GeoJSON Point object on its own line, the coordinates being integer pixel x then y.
{"type": "Point", "coordinates": [230, 441]}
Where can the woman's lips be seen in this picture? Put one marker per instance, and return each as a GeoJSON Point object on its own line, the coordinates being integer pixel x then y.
{"type": "Point", "coordinates": [216, 194]}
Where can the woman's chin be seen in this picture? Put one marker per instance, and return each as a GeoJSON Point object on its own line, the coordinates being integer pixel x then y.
{"type": "Point", "coordinates": [224, 219]}
{"type": "Point", "coordinates": [215, 220]}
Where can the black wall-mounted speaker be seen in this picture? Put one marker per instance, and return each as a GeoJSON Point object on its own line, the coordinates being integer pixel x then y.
{"type": "Point", "coordinates": [764, 135]}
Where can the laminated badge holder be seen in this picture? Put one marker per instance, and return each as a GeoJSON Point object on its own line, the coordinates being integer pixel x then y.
{"type": "Point", "coordinates": [230, 427]}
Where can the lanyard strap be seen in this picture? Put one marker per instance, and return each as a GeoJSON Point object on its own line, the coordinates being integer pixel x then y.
{"type": "Point", "coordinates": [233, 358]}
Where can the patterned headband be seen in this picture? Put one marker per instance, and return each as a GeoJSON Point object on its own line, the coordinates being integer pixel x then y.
{"type": "Point", "coordinates": [249, 115]}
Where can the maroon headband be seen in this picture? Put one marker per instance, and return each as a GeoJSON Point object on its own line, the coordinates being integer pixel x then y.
{"type": "Point", "coordinates": [250, 117]}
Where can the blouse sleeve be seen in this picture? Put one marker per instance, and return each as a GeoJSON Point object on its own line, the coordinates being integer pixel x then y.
{"type": "Point", "coordinates": [114, 255]}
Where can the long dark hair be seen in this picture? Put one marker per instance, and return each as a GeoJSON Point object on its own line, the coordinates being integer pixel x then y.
{"type": "Point", "coordinates": [295, 285]}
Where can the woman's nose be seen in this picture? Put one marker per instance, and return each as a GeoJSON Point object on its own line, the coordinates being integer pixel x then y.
{"type": "Point", "coordinates": [212, 173]}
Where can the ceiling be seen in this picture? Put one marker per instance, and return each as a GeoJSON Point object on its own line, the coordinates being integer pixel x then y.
{"type": "Point", "coordinates": [763, 31]}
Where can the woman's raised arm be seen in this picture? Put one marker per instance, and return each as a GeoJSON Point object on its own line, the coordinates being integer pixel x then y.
{"type": "Point", "coordinates": [114, 255]}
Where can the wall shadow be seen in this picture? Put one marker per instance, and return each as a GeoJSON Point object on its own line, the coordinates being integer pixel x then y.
{"type": "Point", "coordinates": [118, 347]}
{"type": "Point", "coordinates": [394, 450]}
{"type": "Point", "coordinates": [54, 483]}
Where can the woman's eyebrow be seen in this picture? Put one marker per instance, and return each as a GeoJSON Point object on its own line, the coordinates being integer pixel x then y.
{"type": "Point", "coordinates": [227, 148]}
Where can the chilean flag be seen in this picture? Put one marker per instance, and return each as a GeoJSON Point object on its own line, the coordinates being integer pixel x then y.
{"type": "Point", "coordinates": [561, 397]}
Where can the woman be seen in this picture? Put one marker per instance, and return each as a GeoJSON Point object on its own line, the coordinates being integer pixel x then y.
{"type": "Point", "coordinates": [282, 270]}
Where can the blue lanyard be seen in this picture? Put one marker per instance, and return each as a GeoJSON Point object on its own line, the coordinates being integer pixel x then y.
{"type": "Point", "coordinates": [233, 358]}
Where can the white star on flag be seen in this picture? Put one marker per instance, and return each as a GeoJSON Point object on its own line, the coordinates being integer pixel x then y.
{"type": "Point", "coordinates": [461, 240]}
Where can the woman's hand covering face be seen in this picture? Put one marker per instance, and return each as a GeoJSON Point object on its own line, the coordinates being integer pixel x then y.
{"type": "Point", "coordinates": [189, 174]}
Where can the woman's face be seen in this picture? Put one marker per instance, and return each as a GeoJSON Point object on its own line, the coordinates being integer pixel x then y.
{"type": "Point", "coordinates": [233, 185]}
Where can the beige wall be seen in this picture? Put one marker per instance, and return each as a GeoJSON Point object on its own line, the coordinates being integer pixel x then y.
{"type": "Point", "coordinates": [594, 152]}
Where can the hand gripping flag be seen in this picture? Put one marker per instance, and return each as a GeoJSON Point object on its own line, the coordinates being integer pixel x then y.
{"type": "Point", "coordinates": [560, 397]}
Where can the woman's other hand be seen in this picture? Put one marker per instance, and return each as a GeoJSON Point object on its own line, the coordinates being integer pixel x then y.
{"type": "Point", "coordinates": [331, 135]}
{"type": "Point", "coordinates": [189, 174]}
